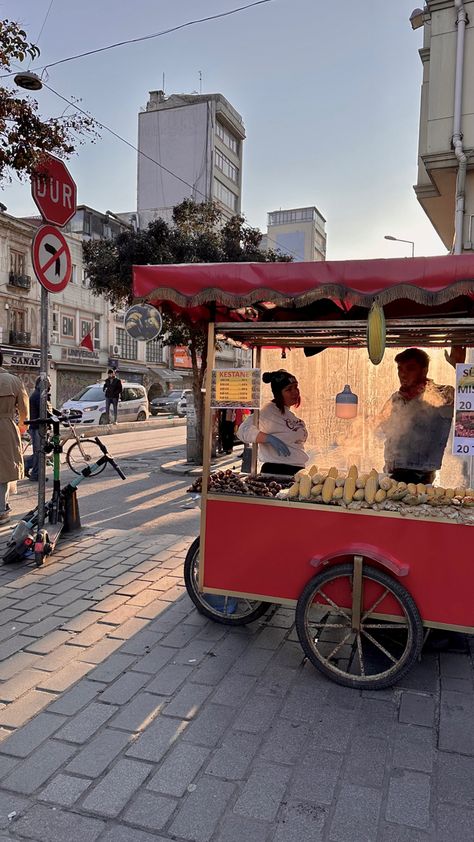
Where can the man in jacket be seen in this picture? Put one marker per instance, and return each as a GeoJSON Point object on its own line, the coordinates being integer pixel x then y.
{"type": "Point", "coordinates": [113, 393]}
{"type": "Point", "coordinates": [31, 463]}
{"type": "Point", "coordinates": [13, 403]}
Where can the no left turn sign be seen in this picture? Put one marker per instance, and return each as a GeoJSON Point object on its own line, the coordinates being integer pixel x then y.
{"type": "Point", "coordinates": [51, 258]}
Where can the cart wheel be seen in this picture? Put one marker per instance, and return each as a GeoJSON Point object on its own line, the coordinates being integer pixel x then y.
{"type": "Point", "coordinates": [378, 651]}
{"type": "Point", "coordinates": [229, 610]}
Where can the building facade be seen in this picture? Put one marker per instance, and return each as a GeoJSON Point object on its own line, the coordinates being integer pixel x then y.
{"type": "Point", "coordinates": [299, 232]}
{"type": "Point", "coordinates": [438, 165]}
{"type": "Point", "coordinates": [198, 140]}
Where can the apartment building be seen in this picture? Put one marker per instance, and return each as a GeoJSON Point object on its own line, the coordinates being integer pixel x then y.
{"type": "Point", "coordinates": [446, 132]}
{"type": "Point", "coordinates": [298, 232]}
{"type": "Point", "coordinates": [198, 140]}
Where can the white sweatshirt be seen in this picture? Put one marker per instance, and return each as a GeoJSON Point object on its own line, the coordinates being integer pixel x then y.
{"type": "Point", "coordinates": [285, 426]}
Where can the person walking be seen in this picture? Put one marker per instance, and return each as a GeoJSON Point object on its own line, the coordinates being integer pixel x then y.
{"type": "Point", "coordinates": [13, 402]}
{"type": "Point", "coordinates": [113, 393]}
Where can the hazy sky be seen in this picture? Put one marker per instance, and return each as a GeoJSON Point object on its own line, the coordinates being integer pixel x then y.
{"type": "Point", "coordinates": [329, 93]}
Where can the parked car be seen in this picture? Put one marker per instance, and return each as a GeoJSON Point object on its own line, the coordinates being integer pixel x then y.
{"type": "Point", "coordinates": [170, 404]}
{"type": "Point", "coordinates": [89, 404]}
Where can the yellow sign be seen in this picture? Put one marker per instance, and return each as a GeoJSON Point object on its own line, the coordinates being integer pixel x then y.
{"type": "Point", "coordinates": [234, 388]}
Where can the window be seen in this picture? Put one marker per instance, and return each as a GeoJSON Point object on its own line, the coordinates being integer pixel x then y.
{"type": "Point", "coordinates": [229, 139]}
{"type": "Point", "coordinates": [18, 321]}
{"type": "Point", "coordinates": [128, 345]}
{"type": "Point", "coordinates": [226, 196]}
{"type": "Point", "coordinates": [74, 274]}
{"type": "Point", "coordinates": [96, 336]}
{"type": "Point", "coordinates": [87, 223]}
{"type": "Point", "coordinates": [67, 327]}
{"type": "Point", "coordinates": [55, 322]}
{"type": "Point", "coordinates": [225, 165]}
{"type": "Point", "coordinates": [17, 262]}
{"type": "Point", "coordinates": [85, 279]}
{"type": "Point", "coordinates": [154, 351]}
{"type": "Point", "coordinates": [86, 327]}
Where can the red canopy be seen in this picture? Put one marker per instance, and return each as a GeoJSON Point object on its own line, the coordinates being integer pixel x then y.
{"type": "Point", "coordinates": [430, 281]}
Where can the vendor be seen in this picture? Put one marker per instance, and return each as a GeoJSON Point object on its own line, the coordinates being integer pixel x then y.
{"type": "Point", "coordinates": [280, 435]}
{"type": "Point", "coordinates": [417, 419]}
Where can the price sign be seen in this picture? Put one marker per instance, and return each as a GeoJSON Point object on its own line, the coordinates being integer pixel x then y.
{"type": "Point", "coordinates": [235, 388]}
{"type": "Point", "coordinates": [463, 439]}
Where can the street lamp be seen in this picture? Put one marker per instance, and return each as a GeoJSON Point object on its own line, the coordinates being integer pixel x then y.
{"type": "Point", "coordinates": [398, 240]}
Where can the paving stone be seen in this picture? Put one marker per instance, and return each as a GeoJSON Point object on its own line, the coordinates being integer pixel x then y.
{"type": "Point", "coordinates": [270, 638]}
{"type": "Point", "coordinates": [59, 658]}
{"type": "Point", "coordinates": [194, 653]}
{"type": "Point", "coordinates": [208, 727]}
{"type": "Point", "coordinates": [316, 777]}
{"type": "Point", "coordinates": [234, 689]}
{"type": "Point", "coordinates": [455, 776]}
{"type": "Point", "coordinates": [285, 742]}
{"type": "Point", "coordinates": [17, 663]}
{"type": "Point", "coordinates": [48, 643]}
{"type": "Point", "coordinates": [179, 637]}
{"type": "Point", "coordinates": [154, 660]}
{"type": "Point", "coordinates": [138, 713]}
{"type": "Point", "coordinates": [356, 815]}
{"type": "Point", "coordinates": [114, 791]}
{"type": "Point", "coordinates": [64, 678]}
{"type": "Point", "coordinates": [122, 690]}
{"type": "Point", "coordinates": [460, 685]}
{"type": "Point", "coordinates": [305, 704]}
{"type": "Point", "coordinates": [8, 804]}
{"type": "Point", "coordinates": [414, 748]}
{"type": "Point", "coordinates": [454, 823]}
{"type": "Point", "coordinates": [366, 761]}
{"type": "Point", "coordinates": [42, 628]}
{"type": "Point", "coordinates": [101, 651]}
{"type": "Point", "coordinates": [276, 682]}
{"type": "Point", "coordinates": [236, 828]}
{"type": "Point", "coordinates": [119, 616]}
{"type": "Point", "coordinates": [76, 698]}
{"type": "Point", "coordinates": [7, 764]}
{"type": "Point", "coordinates": [335, 728]}
{"type": "Point", "coordinates": [99, 753]}
{"type": "Point", "coordinates": [257, 714]}
{"type": "Point", "coordinates": [13, 645]}
{"type": "Point", "coordinates": [64, 790]}
{"type": "Point", "coordinates": [23, 741]}
{"type": "Point", "coordinates": [263, 792]}
{"type": "Point", "coordinates": [50, 825]}
{"type": "Point", "coordinates": [424, 676]}
{"type": "Point", "coordinates": [157, 739]}
{"type": "Point", "coordinates": [152, 609]}
{"type": "Point", "coordinates": [33, 772]}
{"type": "Point", "coordinates": [121, 833]}
{"type": "Point", "coordinates": [112, 667]}
{"type": "Point", "coordinates": [169, 679]}
{"type": "Point", "coordinates": [409, 798]}
{"type": "Point", "coordinates": [254, 661]}
{"type": "Point", "coordinates": [150, 810]}
{"type": "Point", "coordinates": [128, 631]}
{"type": "Point", "coordinates": [19, 712]}
{"type": "Point", "coordinates": [198, 817]}
{"type": "Point", "coordinates": [80, 622]}
{"type": "Point", "coordinates": [456, 725]}
{"type": "Point", "coordinates": [187, 702]}
{"type": "Point", "coordinates": [83, 725]}
{"type": "Point", "coordinates": [300, 821]}
{"type": "Point", "coordinates": [376, 718]}
{"type": "Point", "coordinates": [91, 635]}
{"type": "Point", "coordinates": [232, 759]}
{"type": "Point", "coordinates": [178, 770]}
{"type": "Point", "coordinates": [416, 709]}
{"type": "Point", "coordinates": [402, 833]}
{"type": "Point", "coordinates": [20, 683]}
{"type": "Point", "coordinates": [455, 665]}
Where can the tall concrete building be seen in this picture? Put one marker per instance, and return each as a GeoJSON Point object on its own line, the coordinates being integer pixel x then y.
{"type": "Point", "coordinates": [445, 183]}
{"type": "Point", "coordinates": [299, 232]}
{"type": "Point", "coordinates": [198, 140]}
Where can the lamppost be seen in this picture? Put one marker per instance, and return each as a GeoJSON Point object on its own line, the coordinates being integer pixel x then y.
{"type": "Point", "coordinates": [398, 240]}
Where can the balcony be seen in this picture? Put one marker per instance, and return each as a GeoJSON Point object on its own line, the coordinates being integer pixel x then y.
{"type": "Point", "coordinates": [20, 337]}
{"type": "Point", "coordinates": [22, 281]}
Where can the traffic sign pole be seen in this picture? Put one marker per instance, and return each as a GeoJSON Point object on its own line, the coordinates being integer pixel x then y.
{"type": "Point", "coordinates": [43, 406]}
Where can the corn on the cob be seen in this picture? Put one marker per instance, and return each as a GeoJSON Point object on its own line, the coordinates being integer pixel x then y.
{"type": "Point", "coordinates": [380, 495]}
{"type": "Point", "coordinates": [300, 473]}
{"type": "Point", "coordinates": [333, 472]}
{"type": "Point", "coordinates": [337, 493]}
{"type": "Point", "coordinates": [376, 333]}
{"type": "Point", "coordinates": [411, 488]}
{"type": "Point", "coordinates": [349, 489]}
{"type": "Point", "coordinates": [316, 490]}
{"type": "Point", "coordinates": [385, 483]}
{"type": "Point", "coordinates": [353, 472]}
{"type": "Point", "coordinates": [371, 487]}
{"type": "Point", "coordinates": [305, 487]}
{"type": "Point", "coordinates": [359, 494]}
{"type": "Point", "coordinates": [313, 470]}
{"type": "Point", "coordinates": [294, 491]}
{"type": "Point", "coordinates": [328, 489]}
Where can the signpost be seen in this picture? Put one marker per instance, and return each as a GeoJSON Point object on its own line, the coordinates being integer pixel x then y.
{"type": "Point", "coordinates": [54, 192]}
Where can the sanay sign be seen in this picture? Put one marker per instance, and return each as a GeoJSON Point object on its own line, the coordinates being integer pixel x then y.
{"type": "Point", "coordinates": [54, 191]}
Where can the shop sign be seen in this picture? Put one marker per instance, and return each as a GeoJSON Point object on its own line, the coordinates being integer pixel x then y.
{"type": "Point", "coordinates": [24, 360]}
{"type": "Point", "coordinates": [80, 355]}
{"type": "Point", "coordinates": [181, 357]}
{"type": "Point", "coordinates": [463, 439]}
{"type": "Point", "coordinates": [234, 388]}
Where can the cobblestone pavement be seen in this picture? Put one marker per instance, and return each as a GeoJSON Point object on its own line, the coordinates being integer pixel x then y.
{"type": "Point", "coordinates": [126, 716]}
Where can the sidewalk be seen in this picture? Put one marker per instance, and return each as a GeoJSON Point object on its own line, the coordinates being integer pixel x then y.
{"type": "Point", "coordinates": [128, 717]}
{"type": "Point", "coordinates": [221, 462]}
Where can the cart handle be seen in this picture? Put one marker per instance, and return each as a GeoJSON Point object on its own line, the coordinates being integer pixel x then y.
{"type": "Point", "coordinates": [367, 551]}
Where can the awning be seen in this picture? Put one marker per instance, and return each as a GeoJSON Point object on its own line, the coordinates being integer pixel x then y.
{"type": "Point", "coordinates": [166, 375]}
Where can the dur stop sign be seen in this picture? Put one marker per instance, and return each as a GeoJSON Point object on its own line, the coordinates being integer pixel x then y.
{"type": "Point", "coordinates": [54, 191]}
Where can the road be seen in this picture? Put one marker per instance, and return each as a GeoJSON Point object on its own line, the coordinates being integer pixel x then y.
{"type": "Point", "coordinates": [149, 498]}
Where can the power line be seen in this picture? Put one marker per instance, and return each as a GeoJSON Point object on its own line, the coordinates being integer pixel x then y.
{"type": "Point", "coordinates": [128, 143]}
{"type": "Point", "coordinates": [148, 37]}
{"type": "Point", "coordinates": [44, 22]}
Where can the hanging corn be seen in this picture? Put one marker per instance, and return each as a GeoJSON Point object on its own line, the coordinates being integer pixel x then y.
{"type": "Point", "coordinates": [376, 333]}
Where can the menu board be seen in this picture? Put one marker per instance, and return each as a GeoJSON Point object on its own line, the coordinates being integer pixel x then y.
{"type": "Point", "coordinates": [233, 388]}
{"type": "Point", "coordinates": [463, 439]}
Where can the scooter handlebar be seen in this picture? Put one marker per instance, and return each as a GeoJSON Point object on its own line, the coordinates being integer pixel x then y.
{"type": "Point", "coordinates": [116, 468]}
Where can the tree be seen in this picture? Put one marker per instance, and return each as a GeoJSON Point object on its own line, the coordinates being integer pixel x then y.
{"type": "Point", "coordinates": [24, 135]}
{"type": "Point", "coordinates": [196, 236]}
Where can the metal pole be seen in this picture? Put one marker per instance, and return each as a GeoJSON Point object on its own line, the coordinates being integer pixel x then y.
{"type": "Point", "coordinates": [43, 403]}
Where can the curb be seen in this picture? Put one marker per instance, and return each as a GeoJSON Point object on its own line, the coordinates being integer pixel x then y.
{"type": "Point", "coordinates": [183, 468]}
{"type": "Point", "coordinates": [128, 427]}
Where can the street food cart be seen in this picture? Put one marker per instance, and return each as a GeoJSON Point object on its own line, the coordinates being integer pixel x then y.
{"type": "Point", "coordinates": [366, 582]}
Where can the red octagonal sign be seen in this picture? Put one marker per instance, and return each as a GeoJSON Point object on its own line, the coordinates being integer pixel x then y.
{"type": "Point", "coordinates": [54, 191]}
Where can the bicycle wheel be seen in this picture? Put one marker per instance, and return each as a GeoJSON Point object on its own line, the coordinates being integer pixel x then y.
{"type": "Point", "coordinates": [381, 648]}
{"type": "Point", "coordinates": [84, 453]}
{"type": "Point", "coordinates": [228, 610]}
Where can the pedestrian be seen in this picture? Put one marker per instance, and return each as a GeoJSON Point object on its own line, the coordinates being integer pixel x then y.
{"type": "Point", "coordinates": [13, 402]}
{"type": "Point", "coordinates": [113, 393]}
{"type": "Point", "coordinates": [31, 462]}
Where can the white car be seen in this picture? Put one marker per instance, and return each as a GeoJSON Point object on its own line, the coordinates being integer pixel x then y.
{"type": "Point", "coordinates": [89, 404]}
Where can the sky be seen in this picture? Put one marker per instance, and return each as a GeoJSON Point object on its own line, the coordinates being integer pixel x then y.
{"type": "Point", "coordinates": [329, 93]}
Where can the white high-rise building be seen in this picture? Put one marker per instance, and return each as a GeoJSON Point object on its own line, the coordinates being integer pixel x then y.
{"type": "Point", "coordinates": [197, 139]}
{"type": "Point", "coordinates": [298, 232]}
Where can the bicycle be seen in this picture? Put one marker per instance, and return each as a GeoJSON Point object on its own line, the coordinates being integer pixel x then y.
{"type": "Point", "coordinates": [62, 513]}
{"type": "Point", "coordinates": [82, 451]}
